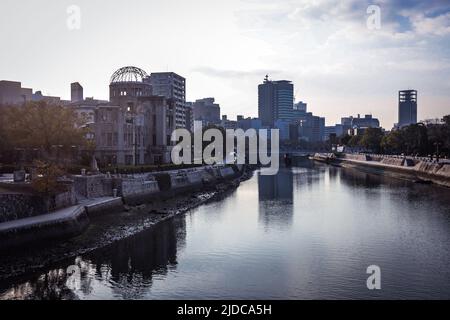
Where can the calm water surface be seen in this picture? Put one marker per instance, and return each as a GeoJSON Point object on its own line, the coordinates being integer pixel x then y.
{"type": "Point", "coordinates": [308, 233]}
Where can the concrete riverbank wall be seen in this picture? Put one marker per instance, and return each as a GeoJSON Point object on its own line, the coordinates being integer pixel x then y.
{"type": "Point", "coordinates": [97, 195]}
{"type": "Point", "coordinates": [418, 170]}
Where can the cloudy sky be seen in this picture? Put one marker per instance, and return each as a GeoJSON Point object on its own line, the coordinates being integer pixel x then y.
{"type": "Point", "coordinates": [225, 48]}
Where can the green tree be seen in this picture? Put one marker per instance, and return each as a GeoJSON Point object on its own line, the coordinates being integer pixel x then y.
{"type": "Point", "coordinates": [344, 139]}
{"type": "Point", "coordinates": [46, 179]}
{"type": "Point", "coordinates": [446, 119]}
{"type": "Point", "coordinates": [415, 139]}
{"type": "Point", "coordinates": [354, 141]}
{"type": "Point", "coordinates": [439, 137]}
{"type": "Point", "coordinates": [392, 142]}
{"type": "Point", "coordinates": [41, 125]}
{"type": "Point", "coordinates": [371, 139]}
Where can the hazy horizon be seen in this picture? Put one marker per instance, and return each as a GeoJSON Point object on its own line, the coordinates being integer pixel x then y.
{"type": "Point", "coordinates": [225, 48]}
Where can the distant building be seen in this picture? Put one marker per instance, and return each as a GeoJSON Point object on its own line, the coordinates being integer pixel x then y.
{"type": "Point", "coordinates": [189, 116]}
{"type": "Point", "coordinates": [11, 92]}
{"type": "Point", "coordinates": [38, 96]}
{"type": "Point", "coordinates": [367, 122]}
{"type": "Point", "coordinates": [227, 123]}
{"type": "Point", "coordinates": [76, 92]}
{"type": "Point", "coordinates": [336, 130]}
{"type": "Point", "coordinates": [349, 124]}
{"type": "Point", "coordinates": [407, 107]}
{"type": "Point", "coordinates": [249, 123]}
{"type": "Point", "coordinates": [301, 107]}
{"type": "Point", "coordinates": [311, 128]}
{"type": "Point", "coordinates": [284, 128]}
{"type": "Point", "coordinates": [207, 111]}
{"type": "Point", "coordinates": [275, 101]}
{"type": "Point", "coordinates": [171, 86]}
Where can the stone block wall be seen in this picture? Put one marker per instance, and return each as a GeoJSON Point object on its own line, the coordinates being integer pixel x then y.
{"type": "Point", "coordinates": [138, 186]}
{"type": "Point", "coordinates": [19, 206]}
{"type": "Point", "coordinates": [93, 186]}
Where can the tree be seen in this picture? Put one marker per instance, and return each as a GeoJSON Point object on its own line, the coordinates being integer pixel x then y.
{"type": "Point", "coordinates": [446, 119]}
{"type": "Point", "coordinates": [439, 136]}
{"type": "Point", "coordinates": [371, 139]}
{"type": "Point", "coordinates": [344, 139]}
{"type": "Point", "coordinates": [354, 141]}
{"type": "Point", "coordinates": [46, 179]}
{"type": "Point", "coordinates": [392, 142]}
{"type": "Point", "coordinates": [42, 126]}
{"type": "Point", "coordinates": [415, 139]}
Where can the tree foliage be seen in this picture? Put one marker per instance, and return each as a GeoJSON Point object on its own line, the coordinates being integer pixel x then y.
{"type": "Point", "coordinates": [415, 139]}
{"type": "Point", "coordinates": [46, 178]}
{"type": "Point", "coordinates": [371, 139]}
{"type": "Point", "coordinates": [41, 125]}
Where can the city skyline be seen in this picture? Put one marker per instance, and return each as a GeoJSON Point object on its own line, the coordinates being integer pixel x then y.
{"type": "Point", "coordinates": [338, 65]}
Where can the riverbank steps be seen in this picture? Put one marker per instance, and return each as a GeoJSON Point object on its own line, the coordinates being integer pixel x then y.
{"type": "Point", "coordinates": [414, 169]}
{"type": "Point", "coordinates": [103, 194]}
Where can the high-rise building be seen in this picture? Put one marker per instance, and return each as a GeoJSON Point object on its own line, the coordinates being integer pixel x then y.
{"type": "Point", "coordinates": [275, 101]}
{"type": "Point", "coordinates": [76, 92]}
{"type": "Point", "coordinates": [407, 107]}
{"type": "Point", "coordinates": [171, 86]}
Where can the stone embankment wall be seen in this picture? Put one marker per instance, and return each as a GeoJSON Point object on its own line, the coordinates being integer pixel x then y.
{"type": "Point", "coordinates": [19, 206]}
{"type": "Point", "coordinates": [41, 229]}
{"type": "Point", "coordinates": [416, 169]}
{"type": "Point", "coordinates": [19, 203]}
{"type": "Point", "coordinates": [24, 219]}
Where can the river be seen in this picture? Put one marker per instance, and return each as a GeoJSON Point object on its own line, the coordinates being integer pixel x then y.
{"type": "Point", "coordinates": [309, 232]}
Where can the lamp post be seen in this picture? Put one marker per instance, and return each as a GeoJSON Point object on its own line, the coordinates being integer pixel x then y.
{"type": "Point", "coordinates": [437, 151]}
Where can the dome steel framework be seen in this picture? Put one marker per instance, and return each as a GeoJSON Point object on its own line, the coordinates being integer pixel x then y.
{"type": "Point", "coordinates": [128, 74]}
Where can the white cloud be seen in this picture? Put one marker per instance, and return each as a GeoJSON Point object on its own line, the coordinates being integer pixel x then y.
{"type": "Point", "coordinates": [438, 26]}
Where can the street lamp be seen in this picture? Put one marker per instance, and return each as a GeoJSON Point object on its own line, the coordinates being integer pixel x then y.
{"type": "Point", "coordinates": [437, 144]}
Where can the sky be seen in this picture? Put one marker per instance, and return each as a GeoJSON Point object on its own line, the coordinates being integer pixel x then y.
{"type": "Point", "coordinates": [339, 63]}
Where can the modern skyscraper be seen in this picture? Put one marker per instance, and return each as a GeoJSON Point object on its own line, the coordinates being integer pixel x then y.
{"type": "Point", "coordinates": [171, 86]}
{"type": "Point", "coordinates": [407, 107]}
{"type": "Point", "coordinates": [275, 101]}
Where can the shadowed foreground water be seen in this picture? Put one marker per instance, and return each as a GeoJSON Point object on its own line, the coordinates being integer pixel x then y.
{"type": "Point", "coordinates": [308, 233]}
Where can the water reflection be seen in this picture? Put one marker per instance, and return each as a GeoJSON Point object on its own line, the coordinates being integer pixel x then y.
{"type": "Point", "coordinates": [276, 198]}
{"type": "Point", "coordinates": [307, 233]}
{"type": "Point", "coordinates": [128, 266]}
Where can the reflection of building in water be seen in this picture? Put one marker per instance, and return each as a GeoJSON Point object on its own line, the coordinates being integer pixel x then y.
{"type": "Point", "coordinates": [137, 259]}
{"type": "Point", "coordinates": [276, 194]}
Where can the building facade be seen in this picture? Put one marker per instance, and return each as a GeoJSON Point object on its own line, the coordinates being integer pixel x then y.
{"type": "Point", "coordinates": [11, 93]}
{"type": "Point", "coordinates": [407, 107]}
{"type": "Point", "coordinates": [275, 101]}
{"type": "Point", "coordinates": [134, 127]}
{"type": "Point", "coordinates": [171, 86]}
{"type": "Point", "coordinates": [207, 111]}
{"type": "Point", "coordinates": [76, 92]}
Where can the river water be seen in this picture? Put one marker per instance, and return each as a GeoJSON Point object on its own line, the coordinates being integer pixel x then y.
{"type": "Point", "coordinates": [309, 232]}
